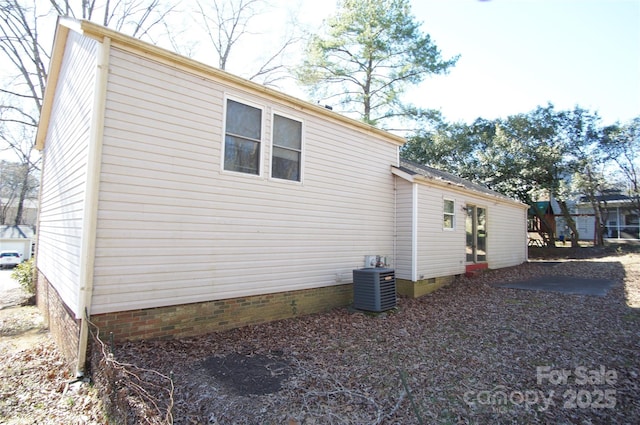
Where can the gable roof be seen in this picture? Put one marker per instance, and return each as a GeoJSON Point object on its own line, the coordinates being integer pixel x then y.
{"type": "Point", "coordinates": [607, 197]}
{"type": "Point", "coordinates": [167, 57]}
{"type": "Point", "coordinates": [427, 174]}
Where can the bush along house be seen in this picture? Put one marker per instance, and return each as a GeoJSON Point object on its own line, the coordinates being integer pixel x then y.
{"type": "Point", "coordinates": [178, 199]}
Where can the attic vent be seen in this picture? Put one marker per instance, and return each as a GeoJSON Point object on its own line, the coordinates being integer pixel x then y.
{"type": "Point", "coordinates": [374, 289]}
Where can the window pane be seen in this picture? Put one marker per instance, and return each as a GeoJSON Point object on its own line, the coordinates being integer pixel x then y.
{"type": "Point", "coordinates": [448, 221]}
{"type": "Point", "coordinates": [287, 132]}
{"type": "Point", "coordinates": [285, 164]}
{"type": "Point", "coordinates": [241, 155]}
{"type": "Point", "coordinates": [471, 240]}
{"type": "Point", "coordinates": [287, 147]}
{"type": "Point", "coordinates": [242, 138]}
{"type": "Point", "coordinates": [481, 237]}
{"type": "Point", "coordinates": [448, 206]}
{"type": "Point", "coordinates": [243, 120]}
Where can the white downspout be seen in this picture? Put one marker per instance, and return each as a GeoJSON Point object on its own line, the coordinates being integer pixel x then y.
{"type": "Point", "coordinates": [414, 233]}
{"type": "Point", "coordinates": [94, 160]}
{"type": "Point", "coordinates": [395, 221]}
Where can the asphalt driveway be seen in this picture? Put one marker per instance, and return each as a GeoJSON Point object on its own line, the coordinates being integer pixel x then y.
{"type": "Point", "coordinates": [563, 284]}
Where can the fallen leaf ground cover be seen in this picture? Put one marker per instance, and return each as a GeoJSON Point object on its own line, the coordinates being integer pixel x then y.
{"type": "Point", "coordinates": [36, 385]}
{"type": "Point", "coordinates": [468, 353]}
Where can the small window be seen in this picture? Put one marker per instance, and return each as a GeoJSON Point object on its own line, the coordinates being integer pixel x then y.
{"type": "Point", "coordinates": [287, 148]}
{"type": "Point", "coordinates": [242, 139]}
{"type": "Point", "coordinates": [449, 214]}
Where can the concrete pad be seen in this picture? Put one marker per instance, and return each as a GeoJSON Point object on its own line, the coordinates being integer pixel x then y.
{"type": "Point", "coordinates": [563, 284]}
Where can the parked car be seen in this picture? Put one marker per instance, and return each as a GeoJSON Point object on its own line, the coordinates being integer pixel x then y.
{"type": "Point", "coordinates": [10, 259]}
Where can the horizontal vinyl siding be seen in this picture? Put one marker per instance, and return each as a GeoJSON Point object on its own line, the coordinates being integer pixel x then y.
{"type": "Point", "coordinates": [404, 213]}
{"type": "Point", "coordinates": [173, 228]}
{"type": "Point", "coordinates": [65, 169]}
{"type": "Point", "coordinates": [441, 252]}
{"type": "Point", "coordinates": [506, 231]}
{"type": "Point", "coordinates": [507, 235]}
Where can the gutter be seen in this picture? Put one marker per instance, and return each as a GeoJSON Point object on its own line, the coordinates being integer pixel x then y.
{"type": "Point", "coordinates": [94, 160]}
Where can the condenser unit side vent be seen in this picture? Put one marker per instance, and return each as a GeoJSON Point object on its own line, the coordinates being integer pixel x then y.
{"type": "Point", "coordinates": [374, 289]}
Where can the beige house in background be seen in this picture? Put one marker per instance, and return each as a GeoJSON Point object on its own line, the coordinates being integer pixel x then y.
{"type": "Point", "coordinates": [29, 211]}
{"type": "Point", "coordinates": [178, 199]}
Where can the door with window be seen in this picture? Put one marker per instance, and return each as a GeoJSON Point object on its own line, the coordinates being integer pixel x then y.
{"type": "Point", "coordinates": [476, 228]}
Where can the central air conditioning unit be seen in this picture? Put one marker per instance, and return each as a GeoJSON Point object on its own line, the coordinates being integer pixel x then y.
{"type": "Point", "coordinates": [374, 289]}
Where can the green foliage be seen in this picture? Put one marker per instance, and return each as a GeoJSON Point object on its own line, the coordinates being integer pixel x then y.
{"type": "Point", "coordinates": [521, 156]}
{"type": "Point", "coordinates": [531, 156]}
{"type": "Point", "coordinates": [371, 52]}
{"type": "Point", "coordinates": [621, 145]}
{"type": "Point", "coordinates": [23, 274]}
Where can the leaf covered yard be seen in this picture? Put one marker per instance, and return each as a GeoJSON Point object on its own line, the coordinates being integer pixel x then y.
{"type": "Point", "coordinates": [468, 353]}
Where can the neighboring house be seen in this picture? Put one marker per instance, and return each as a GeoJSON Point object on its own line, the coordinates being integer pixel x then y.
{"type": "Point", "coordinates": [619, 213]}
{"type": "Point", "coordinates": [9, 210]}
{"type": "Point", "coordinates": [18, 238]}
{"type": "Point", "coordinates": [178, 199]}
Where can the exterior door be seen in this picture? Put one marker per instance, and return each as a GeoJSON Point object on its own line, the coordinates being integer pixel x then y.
{"type": "Point", "coordinates": [476, 228]}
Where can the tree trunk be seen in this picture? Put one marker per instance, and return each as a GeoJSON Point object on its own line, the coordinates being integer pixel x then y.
{"type": "Point", "coordinates": [570, 222]}
{"type": "Point", "coordinates": [599, 236]}
{"type": "Point", "coordinates": [23, 194]}
{"type": "Point", "coordinates": [548, 236]}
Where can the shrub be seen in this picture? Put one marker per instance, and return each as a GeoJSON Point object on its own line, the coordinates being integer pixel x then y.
{"type": "Point", "coordinates": [23, 274]}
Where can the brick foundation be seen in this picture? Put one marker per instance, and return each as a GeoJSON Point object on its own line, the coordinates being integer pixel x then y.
{"type": "Point", "coordinates": [63, 326]}
{"type": "Point", "coordinates": [201, 318]}
{"type": "Point", "coordinates": [411, 289]}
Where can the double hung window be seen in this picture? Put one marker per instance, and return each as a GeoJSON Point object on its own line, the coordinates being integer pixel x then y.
{"type": "Point", "coordinates": [243, 138]}
{"type": "Point", "coordinates": [243, 142]}
{"type": "Point", "coordinates": [449, 214]}
{"type": "Point", "coordinates": [287, 148]}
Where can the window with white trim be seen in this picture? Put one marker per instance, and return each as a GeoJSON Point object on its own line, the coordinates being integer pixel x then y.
{"type": "Point", "coordinates": [243, 138]}
{"type": "Point", "coordinates": [449, 214]}
{"type": "Point", "coordinates": [286, 156]}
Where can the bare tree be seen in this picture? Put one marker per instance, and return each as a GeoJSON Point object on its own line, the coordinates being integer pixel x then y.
{"type": "Point", "coordinates": [26, 62]}
{"type": "Point", "coordinates": [22, 92]}
{"type": "Point", "coordinates": [621, 144]}
{"type": "Point", "coordinates": [19, 44]}
{"type": "Point", "coordinates": [136, 18]}
{"type": "Point", "coordinates": [226, 22]}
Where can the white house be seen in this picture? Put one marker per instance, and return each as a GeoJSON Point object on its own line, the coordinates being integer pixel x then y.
{"type": "Point", "coordinates": [448, 226]}
{"type": "Point", "coordinates": [619, 213]}
{"type": "Point", "coordinates": [178, 199]}
{"type": "Point", "coordinates": [18, 238]}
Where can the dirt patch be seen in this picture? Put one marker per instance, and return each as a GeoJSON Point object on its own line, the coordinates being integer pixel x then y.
{"type": "Point", "coordinates": [15, 298]}
{"type": "Point", "coordinates": [35, 381]}
{"type": "Point", "coordinates": [248, 374]}
{"type": "Point", "coordinates": [21, 327]}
